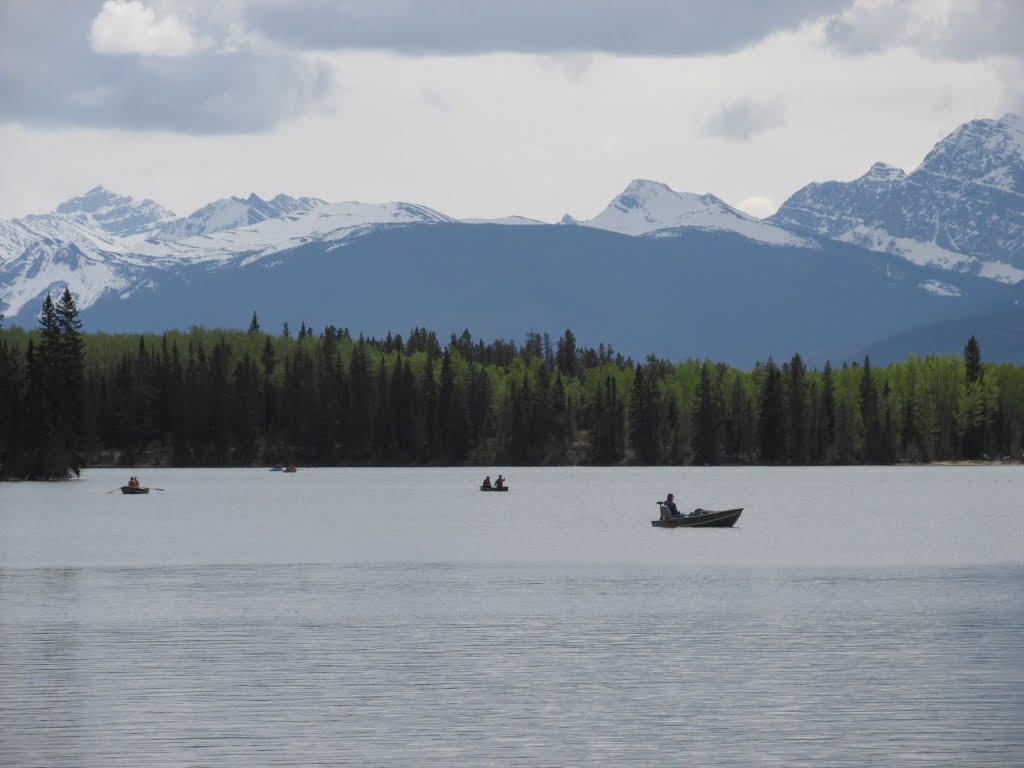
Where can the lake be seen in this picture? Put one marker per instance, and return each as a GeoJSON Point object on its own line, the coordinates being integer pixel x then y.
{"type": "Point", "coordinates": [399, 617]}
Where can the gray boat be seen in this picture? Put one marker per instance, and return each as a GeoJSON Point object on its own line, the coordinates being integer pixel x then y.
{"type": "Point", "coordinates": [699, 518]}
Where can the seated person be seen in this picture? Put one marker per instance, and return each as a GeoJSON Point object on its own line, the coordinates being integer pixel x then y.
{"type": "Point", "coordinates": [487, 482]}
{"type": "Point", "coordinates": [671, 505]}
{"type": "Point", "coordinates": [500, 482]}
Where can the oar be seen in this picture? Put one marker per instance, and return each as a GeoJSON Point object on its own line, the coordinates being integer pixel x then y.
{"type": "Point", "coordinates": [156, 489]}
{"type": "Point", "coordinates": [116, 489]}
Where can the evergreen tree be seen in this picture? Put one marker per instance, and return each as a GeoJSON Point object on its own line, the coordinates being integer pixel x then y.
{"type": "Point", "coordinates": [972, 360]}
{"type": "Point", "coordinates": [705, 419]}
{"type": "Point", "coordinates": [973, 412]}
{"type": "Point", "coordinates": [71, 373]}
{"type": "Point", "coordinates": [642, 417]}
{"type": "Point", "coordinates": [871, 417]}
{"type": "Point", "coordinates": [254, 325]}
{"type": "Point", "coordinates": [798, 434]}
{"type": "Point", "coordinates": [827, 433]}
{"type": "Point", "coordinates": [771, 423]}
{"type": "Point", "coordinates": [566, 356]}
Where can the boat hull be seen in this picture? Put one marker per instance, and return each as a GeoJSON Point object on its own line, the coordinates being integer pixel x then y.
{"type": "Point", "coordinates": [492, 488]}
{"type": "Point", "coordinates": [704, 518]}
{"type": "Point", "coordinates": [131, 491]}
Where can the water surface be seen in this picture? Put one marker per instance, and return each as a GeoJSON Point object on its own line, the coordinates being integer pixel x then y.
{"type": "Point", "coordinates": [400, 617]}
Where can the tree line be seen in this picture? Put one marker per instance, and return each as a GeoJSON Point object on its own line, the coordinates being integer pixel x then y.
{"type": "Point", "coordinates": [240, 398]}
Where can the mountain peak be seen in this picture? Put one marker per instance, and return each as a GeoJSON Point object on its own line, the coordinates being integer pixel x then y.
{"type": "Point", "coordinates": [884, 169]}
{"type": "Point", "coordinates": [95, 199]}
{"type": "Point", "coordinates": [960, 209]}
{"type": "Point", "coordinates": [646, 206]}
{"type": "Point", "coordinates": [1014, 120]}
{"type": "Point", "coordinates": [233, 212]}
{"type": "Point", "coordinates": [115, 214]}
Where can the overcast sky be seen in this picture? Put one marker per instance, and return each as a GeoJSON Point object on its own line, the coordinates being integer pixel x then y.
{"type": "Point", "coordinates": [486, 108]}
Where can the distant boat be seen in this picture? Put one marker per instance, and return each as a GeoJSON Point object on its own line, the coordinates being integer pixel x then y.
{"type": "Point", "coordinates": [493, 488]}
{"type": "Point", "coordinates": [699, 518]}
{"type": "Point", "coordinates": [131, 490]}
{"type": "Point", "coordinates": [277, 468]}
{"type": "Point", "coordinates": [291, 469]}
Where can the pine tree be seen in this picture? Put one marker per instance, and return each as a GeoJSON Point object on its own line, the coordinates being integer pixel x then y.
{"type": "Point", "coordinates": [71, 371]}
{"type": "Point", "coordinates": [254, 325]}
{"type": "Point", "coordinates": [565, 357]}
{"type": "Point", "coordinates": [705, 419]}
{"type": "Point", "coordinates": [797, 411]}
{"type": "Point", "coordinates": [972, 360]}
{"type": "Point", "coordinates": [973, 412]}
{"type": "Point", "coordinates": [772, 425]}
{"type": "Point", "coordinates": [641, 417]}
{"type": "Point", "coordinates": [874, 452]}
{"type": "Point", "coordinates": [827, 434]}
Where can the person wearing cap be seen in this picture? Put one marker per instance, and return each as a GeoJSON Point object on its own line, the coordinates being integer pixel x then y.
{"type": "Point", "coordinates": [671, 505]}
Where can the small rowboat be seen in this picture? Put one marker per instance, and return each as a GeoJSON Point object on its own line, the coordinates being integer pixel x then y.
{"type": "Point", "coordinates": [493, 488]}
{"type": "Point", "coordinates": [700, 518]}
{"type": "Point", "coordinates": [131, 490]}
{"type": "Point", "coordinates": [290, 469]}
{"type": "Point", "coordinates": [277, 468]}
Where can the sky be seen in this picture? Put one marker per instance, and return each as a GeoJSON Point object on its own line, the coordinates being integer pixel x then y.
{"type": "Point", "coordinates": [535, 108]}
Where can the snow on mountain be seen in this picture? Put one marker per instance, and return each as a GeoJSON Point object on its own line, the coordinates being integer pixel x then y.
{"type": "Point", "coordinates": [18, 234]}
{"type": "Point", "coordinates": [233, 212]}
{"type": "Point", "coordinates": [75, 246]}
{"type": "Point", "coordinates": [962, 209]}
{"type": "Point", "coordinates": [511, 221]}
{"type": "Point", "coordinates": [647, 206]}
{"type": "Point", "coordinates": [51, 265]}
{"type": "Point", "coordinates": [324, 222]}
{"type": "Point", "coordinates": [118, 215]}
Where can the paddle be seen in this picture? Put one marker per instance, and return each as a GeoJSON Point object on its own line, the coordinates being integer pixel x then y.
{"type": "Point", "coordinates": [156, 489]}
{"type": "Point", "coordinates": [116, 489]}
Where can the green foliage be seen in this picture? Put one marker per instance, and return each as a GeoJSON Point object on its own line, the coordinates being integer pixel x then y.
{"type": "Point", "coordinates": [208, 397]}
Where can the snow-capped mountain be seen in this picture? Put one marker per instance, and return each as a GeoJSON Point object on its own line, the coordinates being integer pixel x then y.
{"type": "Point", "coordinates": [648, 206]}
{"type": "Point", "coordinates": [72, 246]}
{"type": "Point", "coordinates": [233, 212]}
{"type": "Point", "coordinates": [133, 264]}
{"type": "Point", "coordinates": [328, 222]}
{"type": "Point", "coordinates": [509, 221]}
{"type": "Point", "coordinates": [117, 215]}
{"type": "Point", "coordinates": [50, 265]}
{"type": "Point", "coordinates": [961, 209]}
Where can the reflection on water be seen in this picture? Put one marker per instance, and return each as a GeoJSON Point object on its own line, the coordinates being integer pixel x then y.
{"type": "Point", "coordinates": [509, 664]}
{"type": "Point", "coordinates": [577, 660]}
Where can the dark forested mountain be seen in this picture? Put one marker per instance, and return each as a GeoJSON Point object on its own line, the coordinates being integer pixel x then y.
{"type": "Point", "coordinates": [695, 293]}
{"type": "Point", "coordinates": [998, 321]}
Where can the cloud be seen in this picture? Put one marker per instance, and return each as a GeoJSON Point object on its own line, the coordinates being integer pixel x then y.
{"type": "Point", "coordinates": [161, 74]}
{"type": "Point", "coordinates": [758, 205]}
{"type": "Point", "coordinates": [962, 30]}
{"type": "Point", "coordinates": [467, 27]}
{"type": "Point", "coordinates": [742, 120]}
{"type": "Point", "coordinates": [130, 27]}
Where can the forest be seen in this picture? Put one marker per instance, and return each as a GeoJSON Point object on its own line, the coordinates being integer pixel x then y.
{"type": "Point", "coordinates": [71, 399]}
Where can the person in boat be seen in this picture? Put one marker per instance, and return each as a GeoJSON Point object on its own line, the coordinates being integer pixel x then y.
{"type": "Point", "coordinates": [669, 504]}
{"type": "Point", "coordinates": [500, 482]}
{"type": "Point", "coordinates": [487, 482]}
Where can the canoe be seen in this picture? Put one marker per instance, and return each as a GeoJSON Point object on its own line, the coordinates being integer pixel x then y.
{"type": "Point", "coordinates": [290, 469]}
{"type": "Point", "coordinates": [131, 491]}
{"type": "Point", "coordinates": [277, 469]}
{"type": "Point", "coordinates": [493, 488]}
{"type": "Point", "coordinates": [701, 518]}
